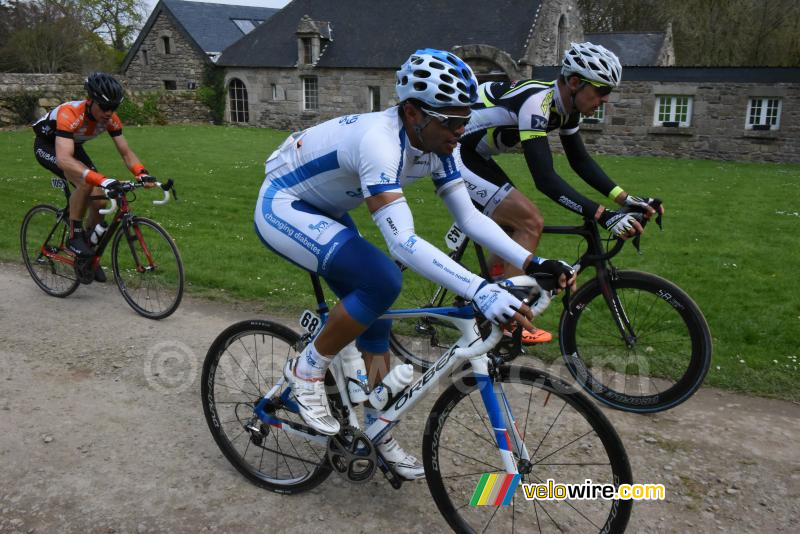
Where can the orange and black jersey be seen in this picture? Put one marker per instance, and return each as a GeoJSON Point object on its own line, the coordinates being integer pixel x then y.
{"type": "Point", "coordinates": [73, 120]}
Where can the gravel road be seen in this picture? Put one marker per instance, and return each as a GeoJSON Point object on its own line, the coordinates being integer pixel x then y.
{"type": "Point", "coordinates": [96, 436]}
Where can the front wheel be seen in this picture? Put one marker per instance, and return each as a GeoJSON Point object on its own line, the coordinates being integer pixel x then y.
{"type": "Point", "coordinates": [148, 268]}
{"type": "Point", "coordinates": [564, 436]}
{"type": "Point", "coordinates": [43, 240]}
{"type": "Point", "coordinates": [645, 347]}
{"type": "Point", "coordinates": [244, 364]}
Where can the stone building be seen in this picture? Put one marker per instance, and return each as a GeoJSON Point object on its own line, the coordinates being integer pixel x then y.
{"type": "Point", "coordinates": [698, 112]}
{"type": "Point", "coordinates": [180, 39]}
{"type": "Point", "coordinates": [317, 59]}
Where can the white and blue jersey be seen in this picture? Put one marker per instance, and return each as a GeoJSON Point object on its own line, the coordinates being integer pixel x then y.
{"type": "Point", "coordinates": [337, 164]}
{"type": "Point", "coordinates": [316, 176]}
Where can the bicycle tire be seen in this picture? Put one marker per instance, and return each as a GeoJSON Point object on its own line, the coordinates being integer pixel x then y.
{"type": "Point", "coordinates": [54, 277]}
{"type": "Point", "coordinates": [673, 344]}
{"type": "Point", "coordinates": [226, 418]}
{"type": "Point", "coordinates": [154, 290]}
{"type": "Point", "coordinates": [568, 439]}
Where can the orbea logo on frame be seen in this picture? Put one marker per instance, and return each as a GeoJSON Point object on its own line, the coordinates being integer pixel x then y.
{"type": "Point", "coordinates": [495, 489]}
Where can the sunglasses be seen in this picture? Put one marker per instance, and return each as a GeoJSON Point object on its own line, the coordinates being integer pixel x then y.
{"type": "Point", "coordinates": [451, 122]}
{"type": "Point", "coordinates": [601, 88]}
{"type": "Point", "coordinates": [107, 107]}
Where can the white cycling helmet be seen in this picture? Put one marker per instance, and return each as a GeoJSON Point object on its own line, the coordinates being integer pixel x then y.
{"type": "Point", "coordinates": [437, 79]}
{"type": "Point", "coordinates": [592, 62]}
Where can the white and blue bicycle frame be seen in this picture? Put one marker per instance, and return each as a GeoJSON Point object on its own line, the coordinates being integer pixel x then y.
{"type": "Point", "coordinates": [469, 346]}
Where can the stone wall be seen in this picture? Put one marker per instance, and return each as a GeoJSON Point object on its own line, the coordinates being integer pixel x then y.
{"type": "Point", "coordinates": [50, 90]}
{"type": "Point", "coordinates": [717, 128]}
{"type": "Point", "coordinates": [184, 64]}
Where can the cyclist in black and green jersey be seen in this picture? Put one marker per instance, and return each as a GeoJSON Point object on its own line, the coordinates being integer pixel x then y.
{"type": "Point", "coordinates": [510, 113]}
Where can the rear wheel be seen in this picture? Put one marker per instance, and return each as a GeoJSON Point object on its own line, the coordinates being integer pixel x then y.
{"type": "Point", "coordinates": [241, 367]}
{"type": "Point", "coordinates": [43, 240]}
{"type": "Point", "coordinates": [147, 267]}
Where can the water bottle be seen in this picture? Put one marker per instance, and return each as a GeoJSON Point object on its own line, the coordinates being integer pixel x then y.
{"type": "Point", "coordinates": [98, 232]}
{"type": "Point", "coordinates": [392, 385]}
{"type": "Point", "coordinates": [355, 372]}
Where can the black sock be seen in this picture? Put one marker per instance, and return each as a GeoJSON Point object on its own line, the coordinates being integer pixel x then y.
{"type": "Point", "coordinates": [75, 227]}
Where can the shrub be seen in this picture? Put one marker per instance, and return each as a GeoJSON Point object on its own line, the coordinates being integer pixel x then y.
{"type": "Point", "coordinates": [24, 105]}
{"type": "Point", "coordinates": [146, 112]}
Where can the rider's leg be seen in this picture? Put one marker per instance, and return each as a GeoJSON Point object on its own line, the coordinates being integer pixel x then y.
{"type": "Point", "coordinates": [524, 219]}
{"type": "Point", "coordinates": [365, 279]}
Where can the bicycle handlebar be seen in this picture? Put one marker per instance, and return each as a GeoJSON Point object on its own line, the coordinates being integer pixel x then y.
{"type": "Point", "coordinates": [130, 186]}
{"type": "Point", "coordinates": [530, 284]}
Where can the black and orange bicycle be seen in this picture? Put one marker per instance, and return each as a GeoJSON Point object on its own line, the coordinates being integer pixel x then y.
{"type": "Point", "coordinates": [146, 263]}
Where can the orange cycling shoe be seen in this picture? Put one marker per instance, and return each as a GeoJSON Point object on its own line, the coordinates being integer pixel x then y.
{"type": "Point", "coordinates": [532, 337]}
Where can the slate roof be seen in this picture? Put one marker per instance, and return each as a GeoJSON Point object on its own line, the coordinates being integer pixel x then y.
{"type": "Point", "coordinates": [632, 48]}
{"type": "Point", "coordinates": [209, 27]}
{"type": "Point", "coordinates": [382, 33]}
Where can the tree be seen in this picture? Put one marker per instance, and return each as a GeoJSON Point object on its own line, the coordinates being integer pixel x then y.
{"type": "Point", "coordinates": [50, 36]}
{"type": "Point", "coordinates": [117, 21]}
{"type": "Point", "coordinates": [708, 32]}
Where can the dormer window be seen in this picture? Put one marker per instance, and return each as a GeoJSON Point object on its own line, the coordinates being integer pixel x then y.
{"type": "Point", "coordinates": [307, 47]}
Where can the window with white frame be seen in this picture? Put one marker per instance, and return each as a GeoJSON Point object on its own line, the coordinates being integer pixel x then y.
{"type": "Point", "coordinates": [673, 110]}
{"type": "Point", "coordinates": [374, 98]}
{"type": "Point", "coordinates": [274, 88]}
{"type": "Point", "coordinates": [599, 115]}
{"type": "Point", "coordinates": [763, 113]}
{"type": "Point", "coordinates": [310, 94]}
{"type": "Point", "coordinates": [237, 95]}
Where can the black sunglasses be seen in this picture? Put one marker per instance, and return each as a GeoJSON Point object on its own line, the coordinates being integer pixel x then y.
{"type": "Point", "coordinates": [107, 107]}
{"type": "Point", "coordinates": [451, 122]}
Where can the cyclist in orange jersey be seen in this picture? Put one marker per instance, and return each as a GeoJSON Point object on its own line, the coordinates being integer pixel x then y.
{"type": "Point", "coordinates": [58, 147]}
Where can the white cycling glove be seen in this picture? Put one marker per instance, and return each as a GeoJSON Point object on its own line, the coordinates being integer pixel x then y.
{"type": "Point", "coordinates": [638, 203]}
{"type": "Point", "coordinates": [495, 303]}
{"type": "Point", "coordinates": [616, 222]}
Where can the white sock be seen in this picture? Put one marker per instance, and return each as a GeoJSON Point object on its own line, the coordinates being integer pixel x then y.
{"type": "Point", "coordinates": [312, 364]}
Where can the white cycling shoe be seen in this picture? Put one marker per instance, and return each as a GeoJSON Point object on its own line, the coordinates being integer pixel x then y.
{"type": "Point", "coordinates": [406, 465]}
{"type": "Point", "coordinates": [312, 400]}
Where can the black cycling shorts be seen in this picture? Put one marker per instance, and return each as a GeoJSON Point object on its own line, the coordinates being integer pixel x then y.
{"type": "Point", "coordinates": [45, 152]}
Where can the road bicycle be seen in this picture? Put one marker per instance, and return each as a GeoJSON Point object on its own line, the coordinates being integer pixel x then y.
{"type": "Point", "coordinates": [633, 340]}
{"type": "Point", "coordinates": [491, 417]}
{"type": "Point", "coordinates": [146, 263]}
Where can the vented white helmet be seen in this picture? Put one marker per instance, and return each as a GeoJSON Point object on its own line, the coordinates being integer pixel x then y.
{"type": "Point", "coordinates": [592, 62]}
{"type": "Point", "coordinates": [437, 79]}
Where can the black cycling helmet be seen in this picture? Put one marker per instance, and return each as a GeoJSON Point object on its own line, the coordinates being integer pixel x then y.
{"type": "Point", "coordinates": [104, 89]}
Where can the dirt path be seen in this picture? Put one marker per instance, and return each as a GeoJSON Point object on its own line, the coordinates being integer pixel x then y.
{"type": "Point", "coordinates": [89, 443]}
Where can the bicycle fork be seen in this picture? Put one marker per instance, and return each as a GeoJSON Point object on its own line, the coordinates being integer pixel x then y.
{"type": "Point", "coordinates": [507, 436]}
{"type": "Point", "coordinates": [617, 310]}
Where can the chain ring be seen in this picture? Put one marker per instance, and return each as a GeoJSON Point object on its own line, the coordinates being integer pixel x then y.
{"type": "Point", "coordinates": [352, 455]}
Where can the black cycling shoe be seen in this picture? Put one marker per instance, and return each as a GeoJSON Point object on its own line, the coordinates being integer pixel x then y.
{"type": "Point", "coordinates": [78, 245]}
{"type": "Point", "coordinates": [100, 275]}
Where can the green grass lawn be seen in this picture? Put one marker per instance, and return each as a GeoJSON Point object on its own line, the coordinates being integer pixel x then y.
{"type": "Point", "coordinates": [729, 239]}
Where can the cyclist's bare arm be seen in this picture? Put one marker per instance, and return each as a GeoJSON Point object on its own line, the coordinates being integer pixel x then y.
{"type": "Point", "coordinates": [128, 156]}
{"type": "Point", "coordinates": [65, 157]}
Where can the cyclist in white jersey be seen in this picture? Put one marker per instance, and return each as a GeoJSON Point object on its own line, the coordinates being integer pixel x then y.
{"type": "Point", "coordinates": [510, 113]}
{"type": "Point", "coordinates": [316, 176]}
